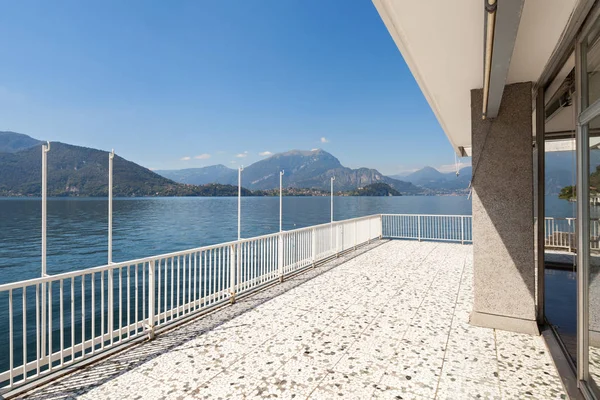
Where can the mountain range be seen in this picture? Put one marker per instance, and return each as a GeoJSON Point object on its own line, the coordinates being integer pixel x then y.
{"type": "Point", "coordinates": [81, 171]}
{"type": "Point", "coordinates": [560, 172]}
{"type": "Point", "coordinates": [302, 169]}
{"type": "Point", "coordinates": [431, 178]}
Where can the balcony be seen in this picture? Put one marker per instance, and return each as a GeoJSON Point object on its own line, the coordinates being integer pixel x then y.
{"type": "Point", "coordinates": [387, 319]}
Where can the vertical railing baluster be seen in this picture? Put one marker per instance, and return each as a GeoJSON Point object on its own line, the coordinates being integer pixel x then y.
{"type": "Point", "coordinates": [232, 268]}
{"type": "Point", "coordinates": [205, 279]}
{"type": "Point", "coordinates": [120, 305]}
{"type": "Point", "coordinates": [83, 316]}
{"type": "Point", "coordinates": [172, 287]}
{"type": "Point", "coordinates": [135, 303]}
{"type": "Point", "coordinates": [313, 233]}
{"type": "Point", "coordinates": [159, 284]}
{"type": "Point", "coordinates": [24, 333]}
{"type": "Point", "coordinates": [61, 321]}
{"type": "Point", "coordinates": [128, 301]}
{"type": "Point", "coordinates": [195, 281]}
{"type": "Point", "coordinates": [178, 285]}
{"type": "Point", "coordinates": [110, 306]}
{"type": "Point", "coordinates": [183, 272]}
{"type": "Point", "coordinates": [210, 275]}
{"type": "Point", "coordinates": [239, 279]}
{"type": "Point", "coordinates": [101, 312]}
{"type": "Point", "coordinates": [189, 294]}
{"type": "Point", "coordinates": [280, 257]}
{"type": "Point", "coordinates": [50, 346]}
{"type": "Point", "coordinates": [219, 272]}
{"type": "Point", "coordinates": [10, 338]}
{"type": "Point", "coordinates": [151, 289]}
{"type": "Point", "coordinates": [261, 262]}
{"type": "Point", "coordinates": [37, 329]}
{"type": "Point", "coordinates": [73, 319]}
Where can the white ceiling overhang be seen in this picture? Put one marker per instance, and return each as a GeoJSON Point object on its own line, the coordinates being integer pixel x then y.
{"type": "Point", "coordinates": [442, 44]}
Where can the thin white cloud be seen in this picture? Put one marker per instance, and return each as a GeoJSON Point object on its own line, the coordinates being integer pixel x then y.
{"type": "Point", "coordinates": [242, 155]}
{"type": "Point", "coordinates": [265, 153]}
{"type": "Point", "coordinates": [204, 156]}
{"type": "Point", "coordinates": [324, 140]}
{"type": "Point", "coordinates": [314, 149]}
{"type": "Point", "coordinates": [186, 158]}
{"type": "Point", "coordinates": [452, 167]}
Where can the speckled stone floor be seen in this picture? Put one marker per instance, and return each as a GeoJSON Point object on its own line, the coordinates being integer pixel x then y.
{"type": "Point", "coordinates": [390, 323]}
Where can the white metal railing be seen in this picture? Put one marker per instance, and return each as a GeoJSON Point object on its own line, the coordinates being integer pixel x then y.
{"type": "Point", "coordinates": [57, 320]}
{"type": "Point", "coordinates": [451, 228]}
{"type": "Point", "coordinates": [560, 233]}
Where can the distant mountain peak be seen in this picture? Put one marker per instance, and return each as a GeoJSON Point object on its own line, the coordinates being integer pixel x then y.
{"type": "Point", "coordinates": [306, 169]}
{"type": "Point", "coordinates": [305, 153]}
{"type": "Point", "coordinates": [431, 178]}
{"type": "Point", "coordinates": [218, 173]}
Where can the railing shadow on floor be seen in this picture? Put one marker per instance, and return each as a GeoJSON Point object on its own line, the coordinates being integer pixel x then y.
{"type": "Point", "coordinates": [79, 381]}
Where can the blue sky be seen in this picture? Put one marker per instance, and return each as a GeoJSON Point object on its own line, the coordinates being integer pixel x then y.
{"type": "Point", "coordinates": [215, 81]}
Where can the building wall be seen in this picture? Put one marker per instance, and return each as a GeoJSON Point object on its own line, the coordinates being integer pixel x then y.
{"type": "Point", "coordinates": [503, 229]}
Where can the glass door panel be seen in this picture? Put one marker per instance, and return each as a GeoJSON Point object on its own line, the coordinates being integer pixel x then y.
{"type": "Point", "coordinates": [560, 243]}
{"type": "Point", "coordinates": [560, 248]}
{"type": "Point", "coordinates": [593, 266]}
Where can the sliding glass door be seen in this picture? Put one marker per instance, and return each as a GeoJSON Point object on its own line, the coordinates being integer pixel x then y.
{"type": "Point", "coordinates": [588, 208]}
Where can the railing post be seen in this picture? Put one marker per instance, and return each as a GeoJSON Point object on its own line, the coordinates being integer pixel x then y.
{"type": "Point", "coordinates": [313, 233]}
{"type": "Point", "coordinates": [238, 265]}
{"type": "Point", "coordinates": [151, 287]}
{"type": "Point", "coordinates": [419, 227]}
{"type": "Point", "coordinates": [381, 225]}
{"type": "Point", "coordinates": [462, 229]}
{"type": "Point", "coordinates": [232, 264]}
{"type": "Point", "coordinates": [280, 256]}
{"type": "Point", "coordinates": [110, 306]}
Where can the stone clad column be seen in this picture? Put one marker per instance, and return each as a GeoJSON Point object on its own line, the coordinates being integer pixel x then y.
{"type": "Point", "coordinates": [503, 229]}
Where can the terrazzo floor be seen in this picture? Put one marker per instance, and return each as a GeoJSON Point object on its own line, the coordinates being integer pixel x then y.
{"type": "Point", "coordinates": [389, 323]}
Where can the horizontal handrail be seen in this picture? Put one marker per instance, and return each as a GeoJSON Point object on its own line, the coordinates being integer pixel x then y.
{"type": "Point", "coordinates": [429, 215]}
{"type": "Point", "coordinates": [121, 264]}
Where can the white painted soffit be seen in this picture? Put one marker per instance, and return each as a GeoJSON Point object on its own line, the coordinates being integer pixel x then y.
{"type": "Point", "coordinates": [442, 44]}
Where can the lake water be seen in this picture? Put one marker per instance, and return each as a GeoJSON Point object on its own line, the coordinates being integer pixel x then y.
{"type": "Point", "coordinates": [77, 235]}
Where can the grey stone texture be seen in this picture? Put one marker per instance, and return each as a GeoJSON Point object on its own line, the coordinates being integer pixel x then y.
{"type": "Point", "coordinates": [503, 230]}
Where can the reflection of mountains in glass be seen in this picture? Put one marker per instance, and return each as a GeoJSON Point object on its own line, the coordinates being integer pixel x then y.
{"type": "Point", "coordinates": [431, 178]}
{"type": "Point", "coordinates": [560, 169]}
